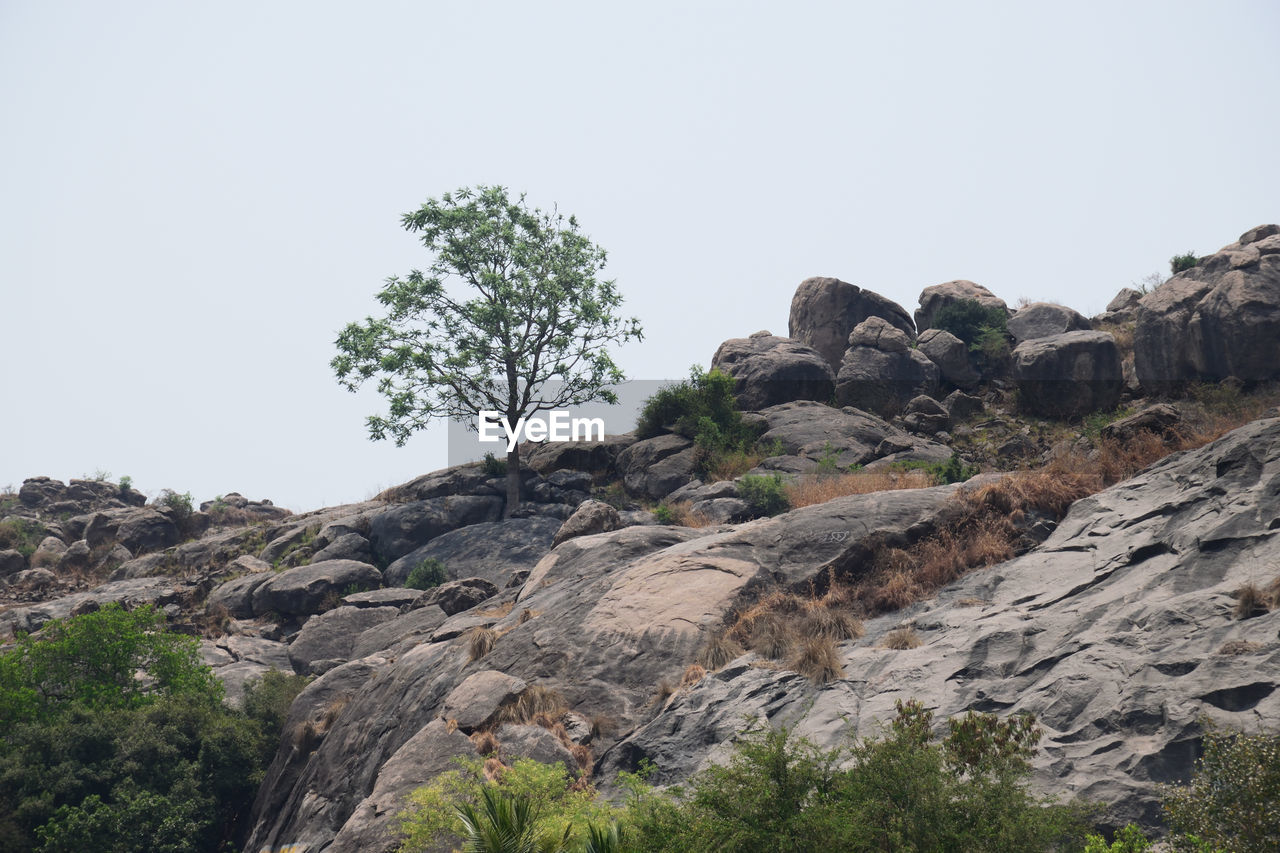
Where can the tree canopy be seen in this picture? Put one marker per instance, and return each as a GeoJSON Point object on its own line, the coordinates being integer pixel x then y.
{"type": "Point", "coordinates": [510, 317]}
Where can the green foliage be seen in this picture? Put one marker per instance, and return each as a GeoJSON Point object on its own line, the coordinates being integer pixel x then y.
{"type": "Point", "coordinates": [492, 466]}
{"type": "Point", "coordinates": [180, 506]}
{"type": "Point", "coordinates": [427, 574]}
{"type": "Point", "coordinates": [126, 483]}
{"type": "Point", "coordinates": [902, 791]}
{"type": "Point", "coordinates": [1183, 262]}
{"type": "Point", "coordinates": [764, 493]}
{"type": "Point", "coordinates": [664, 514]}
{"type": "Point", "coordinates": [954, 470]}
{"type": "Point", "coordinates": [1231, 801]}
{"type": "Point", "coordinates": [704, 409]}
{"type": "Point", "coordinates": [91, 660]}
{"type": "Point", "coordinates": [94, 758]}
{"type": "Point", "coordinates": [981, 327]}
{"type": "Point", "coordinates": [1128, 840]}
{"type": "Point", "coordinates": [538, 313]}
{"type": "Point", "coordinates": [551, 809]}
{"type": "Point", "coordinates": [1093, 423]}
{"type": "Point", "coordinates": [268, 697]}
{"type": "Point", "coordinates": [21, 534]}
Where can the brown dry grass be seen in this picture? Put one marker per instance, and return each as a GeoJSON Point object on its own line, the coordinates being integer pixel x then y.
{"type": "Point", "coordinates": [901, 639]}
{"type": "Point", "coordinates": [480, 641]}
{"type": "Point", "coordinates": [485, 743]}
{"type": "Point", "coordinates": [1251, 601]}
{"type": "Point", "coordinates": [499, 610]}
{"type": "Point", "coordinates": [534, 702]}
{"type": "Point", "coordinates": [664, 691]}
{"type": "Point", "coordinates": [685, 516]}
{"type": "Point", "coordinates": [693, 673]}
{"type": "Point", "coordinates": [728, 466]}
{"type": "Point", "coordinates": [818, 660]}
{"type": "Point", "coordinates": [817, 488]}
{"type": "Point", "coordinates": [718, 651]}
{"type": "Point", "coordinates": [1239, 647]}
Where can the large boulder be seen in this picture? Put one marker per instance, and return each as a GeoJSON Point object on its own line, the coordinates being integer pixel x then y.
{"type": "Point", "coordinates": [1043, 319]}
{"type": "Point", "coordinates": [332, 635]}
{"type": "Point", "coordinates": [590, 517]}
{"type": "Point", "coordinates": [825, 310]}
{"type": "Point", "coordinates": [880, 372]}
{"type": "Point", "coordinates": [809, 432]}
{"type": "Point", "coordinates": [768, 370]}
{"type": "Point", "coordinates": [596, 458]}
{"type": "Point", "coordinates": [932, 299]}
{"type": "Point", "coordinates": [494, 550]}
{"type": "Point", "coordinates": [144, 530]}
{"type": "Point", "coordinates": [1068, 375]}
{"type": "Point", "coordinates": [236, 595]}
{"type": "Point", "coordinates": [458, 596]}
{"type": "Point", "coordinates": [951, 355]}
{"type": "Point", "coordinates": [398, 530]}
{"type": "Point", "coordinates": [656, 467]}
{"type": "Point", "coordinates": [1220, 318]}
{"type": "Point", "coordinates": [305, 589]}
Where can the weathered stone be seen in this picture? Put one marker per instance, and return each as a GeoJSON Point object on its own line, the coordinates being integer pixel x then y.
{"type": "Point", "coordinates": [49, 552]}
{"type": "Point", "coordinates": [332, 635]}
{"type": "Point", "coordinates": [389, 597]}
{"type": "Point", "coordinates": [596, 458]}
{"type": "Point", "coordinates": [657, 466]}
{"type": "Point", "coordinates": [878, 333]}
{"type": "Point", "coordinates": [768, 370]}
{"type": "Point", "coordinates": [1125, 301]}
{"type": "Point", "coordinates": [460, 595]}
{"type": "Point", "coordinates": [1218, 319]}
{"type": "Point", "coordinates": [75, 558]}
{"type": "Point", "coordinates": [477, 700]}
{"type": "Point", "coordinates": [493, 550]}
{"type": "Point", "coordinates": [1161, 419]}
{"type": "Point", "coordinates": [468, 479]}
{"type": "Point", "coordinates": [536, 743]}
{"type": "Point", "coordinates": [398, 530]}
{"type": "Point", "coordinates": [1068, 375]}
{"type": "Point", "coordinates": [41, 490]}
{"type": "Point", "coordinates": [932, 299]}
{"type": "Point", "coordinates": [589, 518]}
{"type": "Point", "coordinates": [951, 355]}
{"type": "Point", "coordinates": [350, 546]}
{"type": "Point", "coordinates": [144, 530]}
{"type": "Point", "coordinates": [825, 310]}
{"type": "Point", "coordinates": [882, 381]}
{"type": "Point", "coordinates": [304, 590]}
{"type": "Point", "coordinates": [926, 415]}
{"type": "Point", "coordinates": [236, 595]}
{"type": "Point", "coordinates": [411, 628]}
{"type": "Point", "coordinates": [1044, 319]}
{"type": "Point", "coordinates": [962, 405]}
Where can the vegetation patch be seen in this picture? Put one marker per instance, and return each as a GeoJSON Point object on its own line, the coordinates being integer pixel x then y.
{"type": "Point", "coordinates": [428, 574]}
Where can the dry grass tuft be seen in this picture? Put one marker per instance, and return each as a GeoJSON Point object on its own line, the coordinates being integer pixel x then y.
{"type": "Point", "coordinates": [602, 726]}
{"type": "Point", "coordinates": [1273, 594]}
{"type": "Point", "coordinates": [720, 648]}
{"type": "Point", "coordinates": [480, 641]}
{"type": "Point", "coordinates": [771, 637]}
{"type": "Point", "coordinates": [1239, 647]}
{"type": "Point", "coordinates": [664, 691]}
{"type": "Point", "coordinates": [818, 660]}
{"type": "Point", "coordinates": [816, 489]}
{"type": "Point", "coordinates": [692, 675]}
{"type": "Point", "coordinates": [485, 743]}
{"type": "Point", "coordinates": [685, 516]}
{"type": "Point", "coordinates": [586, 759]}
{"type": "Point", "coordinates": [832, 623]}
{"type": "Point", "coordinates": [332, 711]}
{"type": "Point", "coordinates": [499, 610]}
{"type": "Point", "coordinates": [972, 602]}
{"type": "Point", "coordinates": [525, 616]}
{"type": "Point", "coordinates": [1251, 601]}
{"type": "Point", "coordinates": [534, 702]}
{"type": "Point", "coordinates": [494, 770]}
{"type": "Point", "coordinates": [901, 639]}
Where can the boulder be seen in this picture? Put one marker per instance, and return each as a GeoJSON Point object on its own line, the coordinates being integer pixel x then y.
{"type": "Point", "coordinates": [1043, 319]}
{"type": "Point", "coordinates": [933, 298]}
{"type": "Point", "coordinates": [961, 405]}
{"type": "Point", "coordinates": [768, 370]}
{"type": "Point", "coordinates": [1161, 419]}
{"type": "Point", "coordinates": [1218, 319]}
{"type": "Point", "coordinates": [951, 355]}
{"type": "Point", "coordinates": [1068, 375]}
{"type": "Point", "coordinates": [32, 578]}
{"type": "Point", "coordinates": [883, 377]}
{"type": "Point", "coordinates": [1121, 308]}
{"type": "Point", "coordinates": [412, 628]}
{"type": "Point", "coordinates": [144, 530]}
{"type": "Point", "coordinates": [11, 562]}
{"type": "Point", "coordinates": [236, 595]}
{"type": "Point", "coordinates": [75, 558]}
{"type": "Point", "coordinates": [36, 491]}
{"type": "Point", "coordinates": [468, 479]}
{"type": "Point", "coordinates": [460, 595]}
{"type": "Point", "coordinates": [656, 467]}
{"type": "Point", "coordinates": [494, 550]}
{"type": "Point", "coordinates": [536, 743]}
{"type": "Point", "coordinates": [590, 517]}
{"type": "Point", "coordinates": [926, 416]}
{"type": "Point", "coordinates": [303, 590]}
{"type": "Point", "coordinates": [398, 530]}
{"type": "Point", "coordinates": [349, 546]}
{"type": "Point", "coordinates": [477, 700]}
{"type": "Point", "coordinates": [49, 551]}
{"type": "Point", "coordinates": [332, 635]}
{"type": "Point", "coordinates": [825, 310]}
{"type": "Point", "coordinates": [596, 458]}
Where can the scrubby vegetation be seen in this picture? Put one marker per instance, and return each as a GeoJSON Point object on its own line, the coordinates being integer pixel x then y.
{"type": "Point", "coordinates": [983, 329]}
{"type": "Point", "coordinates": [703, 408]}
{"type": "Point", "coordinates": [92, 757]}
{"type": "Point", "coordinates": [427, 574]}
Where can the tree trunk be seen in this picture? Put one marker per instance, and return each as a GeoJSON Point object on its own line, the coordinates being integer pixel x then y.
{"type": "Point", "coordinates": [513, 482]}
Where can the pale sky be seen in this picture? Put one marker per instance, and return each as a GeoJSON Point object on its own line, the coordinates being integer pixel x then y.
{"type": "Point", "coordinates": [195, 198]}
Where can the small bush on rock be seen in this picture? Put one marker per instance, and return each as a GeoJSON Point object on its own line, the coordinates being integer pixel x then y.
{"type": "Point", "coordinates": [764, 493]}
{"type": "Point", "coordinates": [427, 574]}
{"type": "Point", "coordinates": [1183, 262]}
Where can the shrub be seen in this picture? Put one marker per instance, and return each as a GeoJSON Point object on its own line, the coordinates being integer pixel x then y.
{"type": "Point", "coordinates": [664, 514]}
{"type": "Point", "coordinates": [1183, 262]}
{"type": "Point", "coordinates": [901, 639]}
{"type": "Point", "coordinates": [703, 408]}
{"type": "Point", "coordinates": [764, 493]}
{"type": "Point", "coordinates": [492, 466]}
{"type": "Point", "coordinates": [818, 660]}
{"type": "Point", "coordinates": [1128, 840]}
{"type": "Point", "coordinates": [21, 535]}
{"type": "Point", "coordinates": [180, 508]}
{"type": "Point", "coordinates": [983, 329]}
{"type": "Point", "coordinates": [1230, 803]}
{"type": "Point", "coordinates": [427, 574]}
{"type": "Point", "coordinates": [267, 699]}
{"type": "Point", "coordinates": [718, 651]}
{"type": "Point", "coordinates": [126, 483]}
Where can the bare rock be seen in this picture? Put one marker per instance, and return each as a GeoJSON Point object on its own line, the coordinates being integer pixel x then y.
{"type": "Point", "coordinates": [479, 698]}
{"type": "Point", "coordinates": [882, 380]}
{"type": "Point", "coordinates": [951, 355]}
{"type": "Point", "coordinates": [768, 370]}
{"type": "Point", "coordinates": [349, 546]}
{"type": "Point", "coordinates": [1043, 319]}
{"type": "Point", "coordinates": [11, 562]}
{"type": "Point", "coordinates": [303, 590]}
{"type": "Point", "coordinates": [596, 458]}
{"type": "Point", "coordinates": [825, 310]}
{"type": "Point", "coordinates": [590, 517]}
{"type": "Point", "coordinates": [460, 595]}
{"type": "Point", "coordinates": [880, 334]}
{"type": "Point", "coordinates": [535, 743]}
{"type": "Point", "coordinates": [656, 467]}
{"type": "Point", "coordinates": [933, 298]}
{"type": "Point", "coordinates": [332, 635]}
{"type": "Point", "coordinates": [1068, 375]}
{"type": "Point", "coordinates": [398, 530]}
{"type": "Point", "coordinates": [493, 550]}
{"type": "Point", "coordinates": [1161, 419]}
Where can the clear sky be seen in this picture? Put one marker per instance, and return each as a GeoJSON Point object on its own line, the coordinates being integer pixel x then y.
{"type": "Point", "coordinates": [196, 197]}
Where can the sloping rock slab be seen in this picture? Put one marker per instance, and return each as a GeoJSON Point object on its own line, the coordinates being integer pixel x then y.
{"type": "Point", "coordinates": [398, 530]}
{"type": "Point", "coordinates": [493, 550]}
{"type": "Point", "coordinates": [304, 589]}
{"type": "Point", "coordinates": [333, 635]}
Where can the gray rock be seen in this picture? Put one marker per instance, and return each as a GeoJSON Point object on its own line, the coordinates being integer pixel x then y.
{"type": "Point", "coordinates": [389, 597]}
{"type": "Point", "coordinates": [144, 530]}
{"type": "Point", "coordinates": [962, 405]}
{"type": "Point", "coordinates": [879, 380]}
{"type": "Point", "coordinates": [468, 479]}
{"type": "Point", "coordinates": [236, 595]}
{"type": "Point", "coordinates": [460, 595]}
{"type": "Point", "coordinates": [722, 510]}
{"type": "Point", "coordinates": [257, 650]}
{"type": "Point", "coordinates": [477, 700]}
{"type": "Point", "coordinates": [1044, 319]}
{"type": "Point", "coordinates": [303, 590]}
{"type": "Point", "coordinates": [130, 593]}
{"type": "Point", "coordinates": [41, 490]}
{"type": "Point", "coordinates": [932, 299]}
{"type": "Point", "coordinates": [350, 546]}
{"type": "Point", "coordinates": [878, 333]}
{"type": "Point", "coordinates": [75, 558]}
{"type": "Point", "coordinates": [1161, 419]}
{"type": "Point", "coordinates": [536, 743]}
{"type": "Point", "coordinates": [11, 562]}
{"type": "Point", "coordinates": [768, 370]}
{"type": "Point", "coordinates": [32, 578]}
{"type": "Point", "coordinates": [1220, 318]}
{"type": "Point", "coordinates": [596, 458]}
{"type": "Point", "coordinates": [825, 310]}
{"type": "Point", "coordinates": [926, 416]}
{"type": "Point", "coordinates": [1125, 301]}
{"type": "Point", "coordinates": [412, 628]}
{"type": "Point", "coordinates": [398, 530]}
{"type": "Point", "coordinates": [951, 355]}
{"type": "Point", "coordinates": [1068, 375]}
{"type": "Point", "coordinates": [589, 518]}
{"type": "Point", "coordinates": [332, 635]}
{"type": "Point", "coordinates": [657, 466]}
{"type": "Point", "coordinates": [493, 550]}
{"type": "Point", "coordinates": [49, 552]}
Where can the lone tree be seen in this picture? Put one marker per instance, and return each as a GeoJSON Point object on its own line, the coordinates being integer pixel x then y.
{"type": "Point", "coordinates": [536, 313]}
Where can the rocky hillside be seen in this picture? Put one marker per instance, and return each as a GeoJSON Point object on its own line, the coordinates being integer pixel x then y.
{"type": "Point", "coordinates": [579, 629]}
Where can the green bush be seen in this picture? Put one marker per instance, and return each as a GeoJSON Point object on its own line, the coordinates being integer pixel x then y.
{"type": "Point", "coordinates": [1128, 840]}
{"type": "Point", "coordinates": [954, 470]}
{"type": "Point", "coordinates": [21, 534]}
{"type": "Point", "coordinates": [664, 514]}
{"type": "Point", "coordinates": [268, 697]}
{"type": "Point", "coordinates": [493, 466]}
{"type": "Point", "coordinates": [180, 505]}
{"type": "Point", "coordinates": [764, 493]}
{"type": "Point", "coordinates": [1231, 801]}
{"type": "Point", "coordinates": [1183, 262]}
{"type": "Point", "coordinates": [702, 408]}
{"type": "Point", "coordinates": [982, 328]}
{"type": "Point", "coordinates": [427, 574]}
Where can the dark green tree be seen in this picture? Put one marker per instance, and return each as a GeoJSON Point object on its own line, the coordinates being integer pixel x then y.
{"type": "Point", "coordinates": [533, 311]}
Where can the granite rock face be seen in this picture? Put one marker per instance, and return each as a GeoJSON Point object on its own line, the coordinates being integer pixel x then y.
{"type": "Point", "coordinates": [1068, 375]}
{"type": "Point", "coordinates": [768, 370]}
{"type": "Point", "coordinates": [825, 310]}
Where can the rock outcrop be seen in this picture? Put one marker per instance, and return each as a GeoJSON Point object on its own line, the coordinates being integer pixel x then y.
{"type": "Point", "coordinates": [881, 372]}
{"type": "Point", "coordinates": [1068, 375]}
{"type": "Point", "coordinates": [932, 299]}
{"type": "Point", "coordinates": [1043, 319]}
{"type": "Point", "coordinates": [825, 310]}
{"type": "Point", "coordinates": [1218, 319]}
{"type": "Point", "coordinates": [768, 370]}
